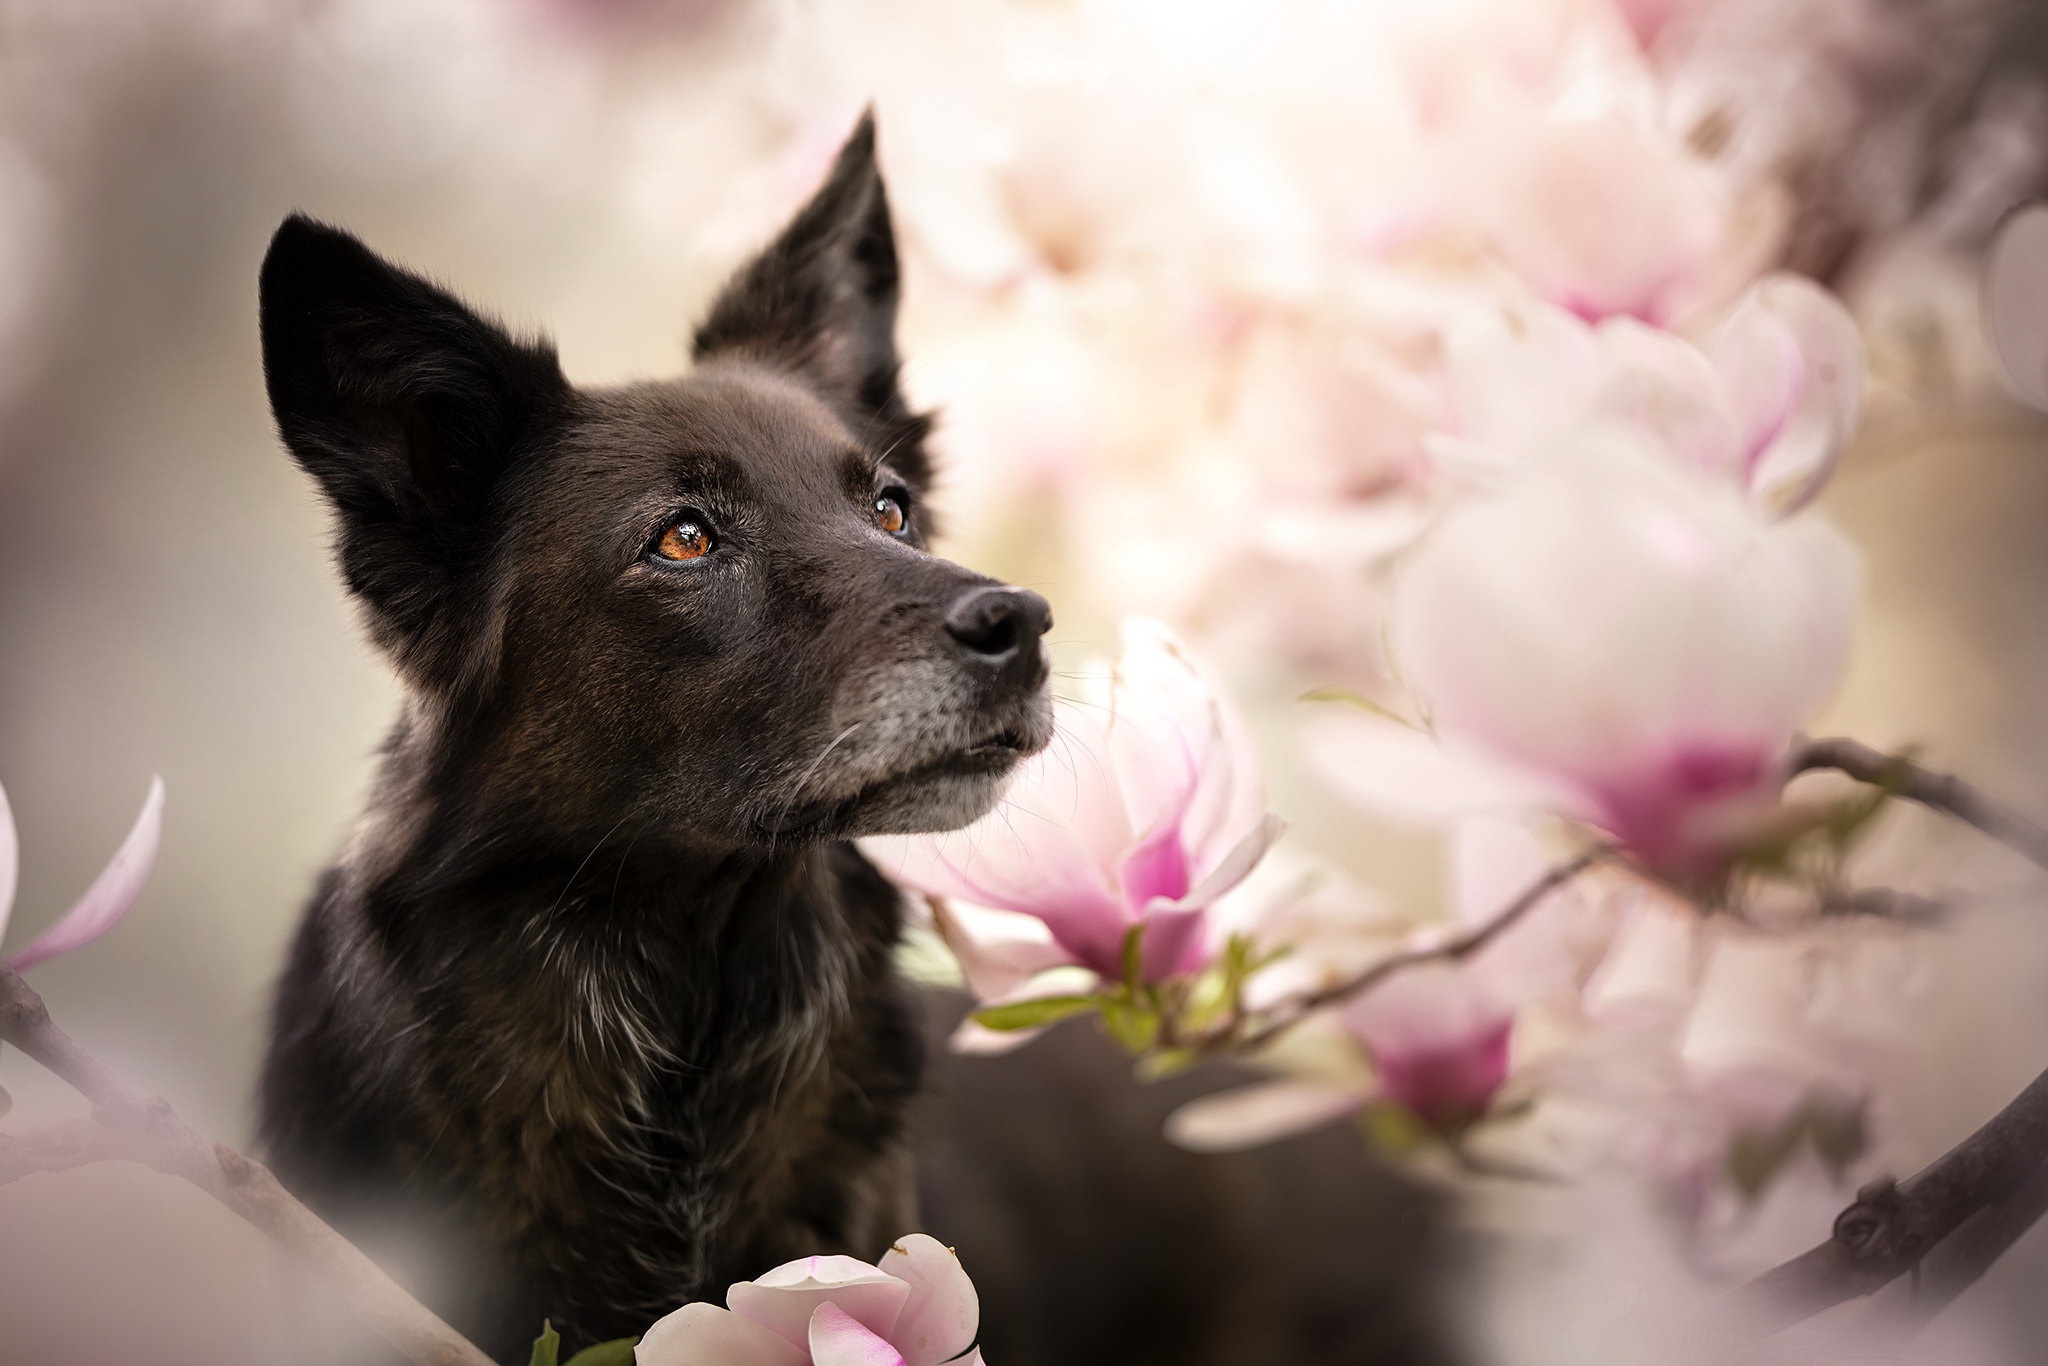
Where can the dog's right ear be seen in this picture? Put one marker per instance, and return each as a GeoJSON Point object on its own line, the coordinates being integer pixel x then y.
{"type": "Point", "coordinates": [409, 409]}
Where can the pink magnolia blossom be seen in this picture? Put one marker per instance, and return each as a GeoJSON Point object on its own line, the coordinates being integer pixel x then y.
{"type": "Point", "coordinates": [1147, 808]}
{"type": "Point", "coordinates": [915, 1308]}
{"type": "Point", "coordinates": [1604, 215]}
{"type": "Point", "coordinates": [109, 898]}
{"type": "Point", "coordinates": [1767, 401]}
{"type": "Point", "coordinates": [1435, 1038]}
{"type": "Point", "coordinates": [1614, 638]}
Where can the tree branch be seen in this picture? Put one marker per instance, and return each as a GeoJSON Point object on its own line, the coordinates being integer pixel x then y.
{"type": "Point", "coordinates": [1293, 1011]}
{"type": "Point", "coordinates": [1943, 792]}
{"type": "Point", "coordinates": [1956, 1216]}
{"type": "Point", "coordinates": [130, 1124]}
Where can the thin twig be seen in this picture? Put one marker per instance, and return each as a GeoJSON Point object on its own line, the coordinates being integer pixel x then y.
{"type": "Point", "coordinates": [1891, 1228]}
{"type": "Point", "coordinates": [1291, 1012]}
{"type": "Point", "coordinates": [132, 1125]}
{"type": "Point", "coordinates": [1943, 792]}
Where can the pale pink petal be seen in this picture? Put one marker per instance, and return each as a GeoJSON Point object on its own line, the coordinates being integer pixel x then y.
{"type": "Point", "coordinates": [998, 951]}
{"type": "Point", "coordinates": [1260, 1113]}
{"type": "Point", "coordinates": [1617, 611]}
{"type": "Point", "coordinates": [1238, 862]}
{"type": "Point", "coordinates": [1190, 710]}
{"type": "Point", "coordinates": [112, 893]}
{"type": "Point", "coordinates": [706, 1335]}
{"type": "Point", "coordinates": [1664, 389]}
{"type": "Point", "coordinates": [10, 861]}
{"type": "Point", "coordinates": [1517, 377]}
{"type": "Point", "coordinates": [940, 1318]}
{"type": "Point", "coordinates": [1603, 215]}
{"type": "Point", "coordinates": [839, 1339]}
{"type": "Point", "coordinates": [1176, 941]}
{"type": "Point", "coordinates": [2016, 302]}
{"type": "Point", "coordinates": [785, 1298]}
{"type": "Point", "coordinates": [1795, 422]}
{"type": "Point", "coordinates": [1438, 1038]}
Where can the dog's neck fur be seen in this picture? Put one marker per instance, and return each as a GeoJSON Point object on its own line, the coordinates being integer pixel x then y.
{"type": "Point", "coordinates": [707, 1033]}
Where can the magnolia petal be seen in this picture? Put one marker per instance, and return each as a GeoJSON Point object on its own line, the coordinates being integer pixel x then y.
{"type": "Point", "coordinates": [1260, 1113]}
{"type": "Point", "coordinates": [1237, 865]}
{"type": "Point", "coordinates": [10, 861]}
{"type": "Point", "coordinates": [1194, 711]}
{"type": "Point", "coordinates": [998, 951]}
{"type": "Point", "coordinates": [839, 1339]}
{"type": "Point", "coordinates": [112, 893]}
{"type": "Point", "coordinates": [705, 1335]}
{"type": "Point", "coordinates": [942, 1314]}
{"type": "Point", "coordinates": [784, 1299]}
{"type": "Point", "coordinates": [1514, 378]}
{"type": "Point", "coordinates": [1795, 432]}
{"type": "Point", "coordinates": [1668, 392]}
{"type": "Point", "coordinates": [1176, 940]}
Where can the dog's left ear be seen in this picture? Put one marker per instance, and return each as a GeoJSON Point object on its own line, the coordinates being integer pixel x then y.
{"type": "Point", "coordinates": [821, 301]}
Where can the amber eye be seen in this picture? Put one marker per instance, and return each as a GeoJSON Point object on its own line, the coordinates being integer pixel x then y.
{"type": "Point", "coordinates": [686, 540]}
{"type": "Point", "coordinates": [890, 515]}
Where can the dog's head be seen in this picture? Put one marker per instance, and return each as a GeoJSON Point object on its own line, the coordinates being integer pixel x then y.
{"type": "Point", "coordinates": [707, 601]}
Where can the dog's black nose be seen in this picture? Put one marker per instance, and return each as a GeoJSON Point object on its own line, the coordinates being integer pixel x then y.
{"type": "Point", "coordinates": [999, 624]}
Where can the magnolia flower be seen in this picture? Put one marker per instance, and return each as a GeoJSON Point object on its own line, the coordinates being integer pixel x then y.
{"type": "Point", "coordinates": [105, 902]}
{"type": "Point", "coordinates": [1147, 808]}
{"type": "Point", "coordinates": [1615, 639]}
{"type": "Point", "coordinates": [1435, 1038]}
{"type": "Point", "coordinates": [916, 1308]}
{"type": "Point", "coordinates": [1767, 402]}
{"type": "Point", "coordinates": [1602, 215]}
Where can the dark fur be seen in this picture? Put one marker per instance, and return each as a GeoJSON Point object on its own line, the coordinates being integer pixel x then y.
{"type": "Point", "coordinates": [597, 1004]}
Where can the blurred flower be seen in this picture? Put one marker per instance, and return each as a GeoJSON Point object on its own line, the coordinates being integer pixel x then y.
{"type": "Point", "coordinates": [1616, 639]}
{"type": "Point", "coordinates": [916, 1308]}
{"type": "Point", "coordinates": [1767, 403]}
{"type": "Point", "coordinates": [109, 898]}
{"type": "Point", "coordinates": [1147, 808]}
{"type": "Point", "coordinates": [1601, 215]}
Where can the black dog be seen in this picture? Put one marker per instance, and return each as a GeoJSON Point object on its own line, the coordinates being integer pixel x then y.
{"type": "Point", "coordinates": [598, 999]}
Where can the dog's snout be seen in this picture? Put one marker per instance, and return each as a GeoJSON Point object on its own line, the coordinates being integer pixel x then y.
{"type": "Point", "coordinates": [999, 624]}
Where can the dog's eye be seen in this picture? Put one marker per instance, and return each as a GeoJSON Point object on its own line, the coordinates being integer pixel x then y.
{"type": "Point", "coordinates": [891, 512]}
{"type": "Point", "coordinates": [688, 539]}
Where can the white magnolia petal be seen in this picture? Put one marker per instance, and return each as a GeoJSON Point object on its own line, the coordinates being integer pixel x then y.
{"type": "Point", "coordinates": [1514, 378]}
{"type": "Point", "coordinates": [998, 951]}
{"type": "Point", "coordinates": [1616, 606]}
{"type": "Point", "coordinates": [112, 893]}
{"type": "Point", "coordinates": [2016, 302]}
{"type": "Point", "coordinates": [1663, 388]}
{"type": "Point", "coordinates": [10, 861]}
{"type": "Point", "coordinates": [1262, 1112]}
{"type": "Point", "coordinates": [1237, 864]}
{"type": "Point", "coordinates": [1797, 420]}
{"type": "Point", "coordinates": [943, 1313]}
{"type": "Point", "coordinates": [784, 1299]}
{"type": "Point", "coordinates": [839, 1339]}
{"type": "Point", "coordinates": [705, 1335]}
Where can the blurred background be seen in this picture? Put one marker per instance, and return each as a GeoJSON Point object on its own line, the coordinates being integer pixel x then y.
{"type": "Point", "coordinates": [1162, 284]}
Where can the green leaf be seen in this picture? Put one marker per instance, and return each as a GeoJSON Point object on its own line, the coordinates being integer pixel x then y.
{"type": "Point", "coordinates": [1131, 1025]}
{"type": "Point", "coordinates": [1167, 1062]}
{"type": "Point", "coordinates": [1394, 1129]}
{"type": "Point", "coordinates": [547, 1348]}
{"type": "Point", "coordinates": [1032, 1014]}
{"type": "Point", "coordinates": [617, 1352]}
